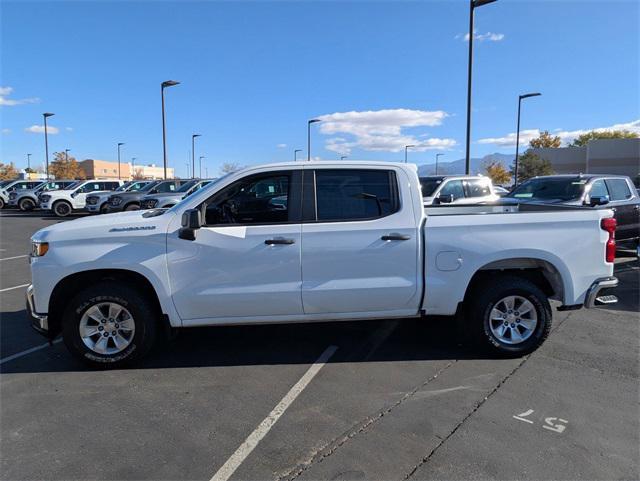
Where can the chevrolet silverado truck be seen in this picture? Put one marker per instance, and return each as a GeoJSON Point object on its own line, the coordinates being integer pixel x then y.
{"type": "Point", "coordinates": [319, 241]}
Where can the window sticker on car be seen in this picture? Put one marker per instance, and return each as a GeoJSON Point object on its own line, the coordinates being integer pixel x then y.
{"type": "Point", "coordinates": [526, 195]}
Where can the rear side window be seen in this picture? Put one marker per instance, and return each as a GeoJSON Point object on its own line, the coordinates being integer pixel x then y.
{"type": "Point", "coordinates": [599, 189]}
{"type": "Point", "coordinates": [358, 194]}
{"type": "Point", "coordinates": [618, 189]}
{"type": "Point", "coordinates": [453, 187]}
{"type": "Point", "coordinates": [166, 187]}
{"type": "Point", "coordinates": [477, 188]}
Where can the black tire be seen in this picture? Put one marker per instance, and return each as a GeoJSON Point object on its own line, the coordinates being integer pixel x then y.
{"type": "Point", "coordinates": [103, 208]}
{"type": "Point", "coordinates": [62, 208]}
{"type": "Point", "coordinates": [132, 207]}
{"type": "Point", "coordinates": [144, 317]}
{"type": "Point", "coordinates": [1, 203]}
{"type": "Point", "coordinates": [26, 204]}
{"type": "Point", "coordinates": [487, 296]}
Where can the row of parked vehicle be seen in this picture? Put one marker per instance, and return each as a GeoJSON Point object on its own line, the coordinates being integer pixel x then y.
{"type": "Point", "coordinates": [63, 197]}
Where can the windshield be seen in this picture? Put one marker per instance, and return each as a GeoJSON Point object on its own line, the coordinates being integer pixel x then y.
{"type": "Point", "coordinates": [148, 187]}
{"type": "Point", "coordinates": [132, 186]}
{"type": "Point", "coordinates": [565, 188]}
{"type": "Point", "coordinates": [429, 185]}
{"type": "Point", "coordinates": [186, 187]}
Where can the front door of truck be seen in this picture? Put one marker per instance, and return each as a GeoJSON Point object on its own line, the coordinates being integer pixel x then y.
{"type": "Point", "coordinates": [245, 260]}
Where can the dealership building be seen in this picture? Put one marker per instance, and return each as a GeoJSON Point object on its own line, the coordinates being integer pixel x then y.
{"type": "Point", "coordinates": [104, 169]}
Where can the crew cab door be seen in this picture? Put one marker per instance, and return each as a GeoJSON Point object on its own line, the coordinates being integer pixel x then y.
{"type": "Point", "coordinates": [245, 260]}
{"type": "Point", "coordinates": [627, 212]}
{"type": "Point", "coordinates": [359, 242]}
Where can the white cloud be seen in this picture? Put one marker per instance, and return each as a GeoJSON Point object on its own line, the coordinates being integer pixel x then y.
{"type": "Point", "coordinates": [39, 129]}
{"type": "Point", "coordinates": [69, 129]}
{"type": "Point", "coordinates": [490, 36]}
{"type": "Point", "coordinates": [381, 130]}
{"type": "Point", "coordinates": [282, 146]}
{"type": "Point", "coordinates": [6, 131]}
{"type": "Point", "coordinates": [565, 135]}
{"type": "Point", "coordinates": [6, 91]}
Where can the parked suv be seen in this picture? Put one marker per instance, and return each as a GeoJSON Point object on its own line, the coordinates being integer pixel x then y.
{"type": "Point", "coordinates": [131, 200]}
{"type": "Point", "coordinates": [598, 191]}
{"type": "Point", "coordinates": [29, 199]}
{"type": "Point", "coordinates": [97, 202]}
{"type": "Point", "coordinates": [169, 199]}
{"type": "Point", "coordinates": [64, 202]}
{"type": "Point", "coordinates": [9, 187]}
{"type": "Point", "coordinates": [460, 189]}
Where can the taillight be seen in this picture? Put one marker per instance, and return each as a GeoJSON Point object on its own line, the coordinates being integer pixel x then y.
{"type": "Point", "coordinates": [609, 225]}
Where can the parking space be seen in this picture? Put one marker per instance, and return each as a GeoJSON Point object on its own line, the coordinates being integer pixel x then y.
{"type": "Point", "coordinates": [396, 400]}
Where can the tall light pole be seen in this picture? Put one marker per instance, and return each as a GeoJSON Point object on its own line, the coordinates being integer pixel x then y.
{"type": "Point", "coordinates": [200, 162]}
{"type": "Point", "coordinates": [473, 4]}
{"type": "Point", "coordinates": [405, 152]}
{"type": "Point", "coordinates": [520, 97]}
{"type": "Point", "coordinates": [437, 155]}
{"type": "Point", "coordinates": [119, 145]}
{"type": "Point", "coordinates": [193, 154]}
{"type": "Point", "coordinates": [66, 155]}
{"type": "Point", "coordinates": [309, 122]}
{"type": "Point", "coordinates": [295, 154]}
{"type": "Point", "coordinates": [164, 85]}
{"type": "Point", "coordinates": [29, 161]}
{"type": "Point", "coordinates": [46, 142]}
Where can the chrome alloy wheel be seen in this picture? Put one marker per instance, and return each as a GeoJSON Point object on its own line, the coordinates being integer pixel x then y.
{"type": "Point", "coordinates": [513, 319]}
{"type": "Point", "coordinates": [107, 328]}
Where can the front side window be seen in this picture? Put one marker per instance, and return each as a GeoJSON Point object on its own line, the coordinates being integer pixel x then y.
{"type": "Point", "coordinates": [547, 188]}
{"type": "Point", "coordinates": [358, 194]}
{"type": "Point", "coordinates": [454, 188]}
{"type": "Point", "coordinates": [599, 189]}
{"type": "Point", "coordinates": [166, 187]}
{"type": "Point", "coordinates": [257, 199]}
{"type": "Point", "coordinates": [478, 188]}
{"type": "Point", "coordinates": [619, 189]}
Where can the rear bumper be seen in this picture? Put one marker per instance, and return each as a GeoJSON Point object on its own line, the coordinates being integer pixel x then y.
{"type": "Point", "coordinates": [595, 294]}
{"type": "Point", "coordinates": [40, 322]}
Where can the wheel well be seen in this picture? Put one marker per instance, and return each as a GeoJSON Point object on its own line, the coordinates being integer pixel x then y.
{"type": "Point", "coordinates": [542, 273]}
{"type": "Point", "coordinates": [133, 202]}
{"type": "Point", "coordinates": [71, 285]}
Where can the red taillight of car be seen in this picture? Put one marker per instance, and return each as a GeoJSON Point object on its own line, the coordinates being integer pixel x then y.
{"type": "Point", "coordinates": [609, 225]}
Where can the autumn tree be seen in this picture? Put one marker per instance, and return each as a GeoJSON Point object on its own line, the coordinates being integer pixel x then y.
{"type": "Point", "coordinates": [229, 167]}
{"type": "Point", "coordinates": [530, 165]}
{"type": "Point", "coordinates": [584, 139]}
{"type": "Point", "coordinates": [545, 139]}
{"type": "Point", "coordinates": [8, 171]}
{"type": "Point", "coordinates": [138, 174]}
{"type": "Point", "coordinates": [498, 174]}
{"type": "Point", "coordinates": [63, 167]}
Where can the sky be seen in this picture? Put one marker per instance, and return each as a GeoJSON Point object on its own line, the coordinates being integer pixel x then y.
{"type": "Point", "coordinates": [380, 75]}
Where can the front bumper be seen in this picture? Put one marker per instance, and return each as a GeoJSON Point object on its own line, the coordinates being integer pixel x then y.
{"type": "Point", "coordinates": [40, 322]}
{"type": "Point", "coordinates": [45, 205]}
{"type": "Point", "coordinates": [13, 202]}
{"type": "Point", "coordinates": [595, 295]}
{"type": "Point", "coordinates": [92, 208]}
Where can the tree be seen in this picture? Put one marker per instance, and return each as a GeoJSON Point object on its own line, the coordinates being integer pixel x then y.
{"type": "Point", "coordinates": [531, 165]}
{"type": "Point", "coordinates": [498, 174]}
{"type": "Point", "coordinates": [8, 171]}
{"type": "Point", "coordinates": [138, 174]}
{"type": "Point", "coordinates": [229, 167]}
{"type": "Point", "coordinates": [545, 139]}
{"type": "Point", "coordinates": [584, 139]}
{"type": "Point", "coordinates": [29, 170]}
{"type": "Point", "coordinates": [63, 168]}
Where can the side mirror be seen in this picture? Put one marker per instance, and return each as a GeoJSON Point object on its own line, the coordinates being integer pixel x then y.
{"type": "Point", "coordinates": [445, 199]}
{"type": "Point", "coordinates": [191, 221]}
{"type": "Point", "coordinates": [598, 200]}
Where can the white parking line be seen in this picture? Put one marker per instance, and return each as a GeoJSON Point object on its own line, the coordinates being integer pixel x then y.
{"type": "Point", "coordinates": [14, 287]}
{"type": "Point", "coordinates": [14, 257]}
{"type": "Point", "coordinates": [28, 351]}
{"type": "Point", "coordinates": [236, 459]}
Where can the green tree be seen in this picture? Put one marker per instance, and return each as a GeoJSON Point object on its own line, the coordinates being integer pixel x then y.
{"type": "Point", "coordinates": [531, 165]}
{"type": "Point", "coordinates": [545, 139]}
{"type": "Point", "coordinates": [65, 168]}
{"type": "Point", "coordinates": [584, 139]}
{"type": "Point", "coordinates": [8, 171]}
{"type": "Point", "coordinates": [498, 174]}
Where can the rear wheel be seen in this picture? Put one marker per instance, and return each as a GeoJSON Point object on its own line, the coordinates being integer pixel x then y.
{"type": "Point", "coordinates": [510, 316]}
{"type": "Point", "coordinates": [109, 325]}
{"type": "Point", "coordinates": [26, 204]}
{"type": "Point", "coordinates": [1, 203]}
{"type": "Point", "coordinates": [62, 208]}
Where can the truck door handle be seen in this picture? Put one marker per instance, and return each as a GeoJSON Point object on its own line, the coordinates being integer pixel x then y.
{"type": "Point", "coordinates": [271, 242]}
{"type": "Point", "coordinates": [395, 237]}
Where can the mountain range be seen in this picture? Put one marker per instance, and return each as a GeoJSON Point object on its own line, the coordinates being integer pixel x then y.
{"type": "Point", "coordinates": [457, 166]}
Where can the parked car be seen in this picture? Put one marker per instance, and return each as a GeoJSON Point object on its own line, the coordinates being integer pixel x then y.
{"type": "Point", "coordinates": [28, 199]}
{"type": "Point", "coordinates": [131, 200]}
{"type": "Point", "coordinates": [97, 202]}
{"type": "Point", "coordinates": [4, 199]}
{"type": "Point", "coordinates": [598, 191]}
{"type": "Point", "coordinates": [501, 191]}
{"type": "Point", "coordinates": [64, 202]}
{"type": "Point", "coordinates": [169, 199]}
{"type": "Point", "coordinates": [457, 189]}
{"type": "Point", "coordinates": [352, 241]}
{"type": "Point", "coordinates": [13, 185]}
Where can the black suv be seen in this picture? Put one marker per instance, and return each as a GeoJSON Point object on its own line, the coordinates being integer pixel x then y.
{"type": "Point", "coordinates": [131, 200]}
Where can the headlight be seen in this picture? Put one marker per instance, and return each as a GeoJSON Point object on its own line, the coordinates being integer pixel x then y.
{"type": "Point", "coordinates": [13, 195]}
{"type": "Point", "coordinates": [38, 249]}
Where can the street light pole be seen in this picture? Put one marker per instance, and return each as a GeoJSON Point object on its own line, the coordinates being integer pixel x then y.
{"type": "Point", "coordinates": [200, 162]}
{"type": "Point", "coordinates": [473, 4]}
{"type": "Point", "coordinates": [520, 97]}
{"type": "Point", "coordinates": [119, 144]}
{"type": "Point", "coordinates": [312, 121]}
{"type": "Point", "coordinates": [163, 85]}
{"type": "Point", "coordinates": [29, 161]}
{"type": "Point", "coordinates": [295, 154]}
{"type": "Point", "coordinates": [46, 142]}
{"type": "Point", "coordinates": [437, 156]}
{"type": "Point", "coordinates": [193, 154]}
{"type": "Point", "coordinates": [405, 152]}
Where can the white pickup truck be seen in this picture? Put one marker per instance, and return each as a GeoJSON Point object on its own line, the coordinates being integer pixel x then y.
{"type": "Point", "coordinates": [318, 241]}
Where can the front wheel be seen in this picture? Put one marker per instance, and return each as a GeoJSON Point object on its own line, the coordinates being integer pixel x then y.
{"type": "Point", "coordinates": [109, 325]}
{"type": "Point", "coordinates": [26, 205]}
{"type": "Point", "coordinates": [62, 208]}
{"type": "Point", "coordinates": [510, 316]}
{"type": "Point", "coordinates": [1, 203]}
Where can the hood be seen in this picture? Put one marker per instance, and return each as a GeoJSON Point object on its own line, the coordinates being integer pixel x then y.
{"type": "Point", "coordinates": [59, 193]}
{"type": "Point", "coordinates": [105, 227]}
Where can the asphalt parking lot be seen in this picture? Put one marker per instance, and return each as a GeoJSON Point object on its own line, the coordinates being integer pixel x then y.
{"type": "Point", "coordinates": [394, 400]}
